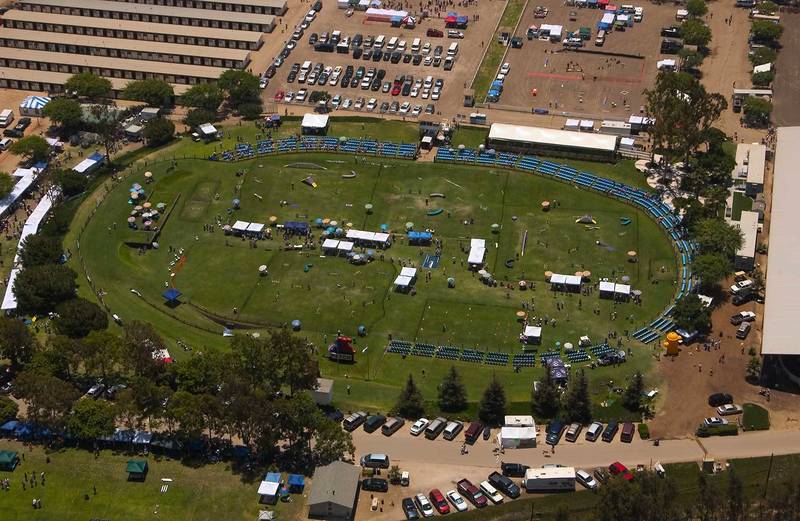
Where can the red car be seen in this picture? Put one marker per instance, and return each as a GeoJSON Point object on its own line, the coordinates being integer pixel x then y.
{"type": "Point", "coordinates": [396, 90]}
{"type": "Point", "coordinates": [439, 502]}
{"type": "Point", "coordinates": [617, 469]}
{"type": "Point", "coordinates": [434, 33]}
{"type": "Point", "coordinates": [279, 96]}
{"type": "Point", "coordinates": [472, 493]}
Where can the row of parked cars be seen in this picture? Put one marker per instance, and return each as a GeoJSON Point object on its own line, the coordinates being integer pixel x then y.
{"type": "Point", "coordinates": [290, 44]}
{"type": "Point", "coordinates": [595, 431]}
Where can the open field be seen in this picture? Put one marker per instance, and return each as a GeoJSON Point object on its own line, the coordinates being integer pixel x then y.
{"type": "Point", "coordinates": [328, 294]}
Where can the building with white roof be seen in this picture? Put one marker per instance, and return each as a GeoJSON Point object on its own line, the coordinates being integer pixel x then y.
{"type": "Point", "coordinates": [565, 143]}
{"type": "Point", "coordinates": [745, 259]}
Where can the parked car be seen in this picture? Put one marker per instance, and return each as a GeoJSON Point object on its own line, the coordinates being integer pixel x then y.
{"type": "Point", "coordinates": [618, 469]}
{"type": "Point", "coordinates": [434, 33]}
{"type": "Point", "coordinates": [487, 431]}
{"type": "Point", "coordinates": [375, 461]}
{"type": "Point", "coordinates": [742, 316]}
{"type": "Point", "coordinates": [728, 409]}
{"type": "Point", "coordinates": [671, 32]}
{"type": "Point", "coordinates": [717, 399]}
{"type": "Point", "coordinates": [423, 505]}
{"type": "Point", "coordinates": [611, 431]}
{"type": "Point", "coordinates": [743, 330]}
{"type": "Point", "coordinates": [373, 422]}
{"type": "Point", "coordinates": [513, 470]}
{"type": "Point", "coordinates": [491, 492]}
{"type": "Point", "coordinates": [457, 501]}
{"type": "Point", "coordinates": [419, 426]}
{"type": "Point", "coordinates": [585, 479]}
{"type": "Point", "coordinates": [504, 484]}
{"type": "Point", "coordinates": [439, 501]}
{"type": "Point", "coordinates": [409, 509]}
{"type": "Point", "coordinates": [472, 493]}
{"type": "Point", "coordinates": [96, 391]}
{"type": "Point", "coordinates": [554, 430]}
{"type": "Point", "coordinates": [601, 474]}
{"type": "Point", "coordinates": [714, 421]}
{"type": "Point", "coordinates": [594, 431]}
{"type": "Point", "coordinates": [375, 485]}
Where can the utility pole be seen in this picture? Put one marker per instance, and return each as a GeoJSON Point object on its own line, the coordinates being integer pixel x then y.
{"type": "Point", "coordinates": [769, 471]}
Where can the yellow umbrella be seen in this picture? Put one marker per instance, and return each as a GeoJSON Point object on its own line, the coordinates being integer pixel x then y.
{"type": "Point", "coordinates": [134, 196]}
{"type": "Point", "coordinates": [521, 314]}
{"type": "Point", "coordinates": [272, 218]}
{"type": "Point", "coordinates": [148, 174]}
{"type": "Point", "coordinates": [147, 205]}
{"type": "Point", "coordinates": [587, 274]}
{"type": "Point", "coordinates": [548, 274]}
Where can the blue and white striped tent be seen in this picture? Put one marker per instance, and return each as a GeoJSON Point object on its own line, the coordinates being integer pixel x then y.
{"type": "Point", "coordinates": [33, 105]}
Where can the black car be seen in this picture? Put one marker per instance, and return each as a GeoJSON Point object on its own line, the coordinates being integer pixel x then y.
{"type": "Point", "coordinates": [317, 6]}
{"type": "Point", "coordinates": [410, 509]}
{"type": "Point", "coordinates": [516, 42]}
{"type": "Point", "coordinates": [313, 39]}
{"type": "Point", "coordinates": [357, 39]}
{"type": "Point", "coordinates": [377, 55]}
{"type": "Point", "coordinates": [270, 72]}
{"type": "Point", "coordinates": [323, 47]}
{"type": "Point", "coordinates": [23, 123]}
{"type": "Point", "coordinates": [406, 88]}
{"type": "Point", "coordinates": [717, 399]}
{"type": "Point", "coordinates": [354, 82]}
{"type": "Point", "coordinates": [381, 74]}
{"type": "Point", "coordinates": [487, 431]}
{"type": "Point", "coordinates": [396, 57]}
{"type": "Point", "coordinates": [417, 59]}
{"type": "Point", "coordinates": [376, 85]}
{"type": "Point", "coordinates": [554, 430]}
{"type": "Point", "coordinates": [375, 485]}
{"type": "Point", "coordinates": [504, 485]}
{"type": "Point", "coordinates": [672, 31]}
{"type": "Point", "coordinates": [387, 56]}
{"type": "Point", "coordinates": [430, 108]}
{"type": "Point", "coordinates": [671, 46]}
{"type": "Point", "coordinates": [357, 53]}
{"type": "Point", "coordinates": [513, 470]}
{"type": "Point", "coordinates": [12, 132]}
{"type": "Point", "coordinates": [367, 55]}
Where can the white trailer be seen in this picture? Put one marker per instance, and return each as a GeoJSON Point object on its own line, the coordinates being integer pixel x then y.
{"type": "Point", "coordinates": [550, 479]}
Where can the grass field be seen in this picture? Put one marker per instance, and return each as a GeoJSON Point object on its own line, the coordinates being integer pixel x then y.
{"type": "Point", "coordinates": [754, 417]}
{"type": "Point", "coordinates": [494, 55]}
{"type": "Point", "coordinates": [741, 203]}
{"type": "Point", "coordinates": [219, 273]}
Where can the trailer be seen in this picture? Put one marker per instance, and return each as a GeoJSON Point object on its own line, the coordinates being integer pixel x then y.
{"type": "Point", "coordinates": [550, 479]}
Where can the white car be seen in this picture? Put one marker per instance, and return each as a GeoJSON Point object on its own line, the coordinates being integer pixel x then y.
{"type": "Point", "coordinates": [452, 33]}
{"type": "Point", "coordinates": [424, 505]}
{"type": "Point", "coordinates": [359, 103]}
{"type": "Point", "coordinates": [347, 103]}
{"type": "Point", "coordinates": [585, 479]}
{"type": "Point", "coordinates": [436, 92]}
{"type": "Point", "coordinates": [491, 492]}
{"type": "Point", "coordinates": [405, 107]}
{"type": "Point", "coordinates": [288, 97]}
{"type": "Point", "coordinates": [262, 84]}
{"type": "Point", "coordinates": [291, 44]}
{"type": "Point", "coordinates": [728, 409]}
{"type": "Point", "coordinates": [419, 425]}
{"type": "Point", "coordinates": [426, 49]}
{"type": "Point", "coordinates": [301, 95]}
{"type": "Point", "coordinates": [371, 105]}
{"type": "Point", "coordinates": [715, 421]}
{"type": "Point", "coordinates": [500, 77]}
{"type": "Point", "coordinates": [427, 61]}
{"type": "Point", "coordinates": [426, 93]}
{"type": "Point", "coordinates": [457, 501]}
{"type": "Point", "coordinates": [505, 69]}
{"type": "Point", "coordinates": [310, 16]}
{"type": "Point", "coordinates": [336, 101]}
{"type": "Point", "coordinates": [414, 92]}
{"type": "Point", "coordinates": [415, 112]}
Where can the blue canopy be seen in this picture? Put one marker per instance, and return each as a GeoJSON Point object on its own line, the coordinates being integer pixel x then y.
{"type": "Point", "coordinates": [97, 156]}
{"type": "Point", "coordinates": [171, 294]}
{"type": "Point", "coordinates": [275, 117]}
{"type": "Point", "coordinates": [9, 426]}
{"type": "Point", "coordinates": [273, 477]}
{"type": "Point", "coordinates": [296, 480]}
{"type": "Point", "coordinates": [22, 430]}
{"type": "Point", "coordinates": [296, 226]}
{"type": "Point", "coordinates": [419, 236]}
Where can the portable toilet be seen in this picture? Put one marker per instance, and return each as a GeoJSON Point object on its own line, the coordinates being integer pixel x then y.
{"type": "Point", "coordinates": [672, 343]}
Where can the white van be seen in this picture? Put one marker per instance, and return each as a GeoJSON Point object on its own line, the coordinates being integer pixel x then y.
{"type": "Point", "coordinates": [379, 41]}
{"type": "Point", "coordinates": [638, 14]}
{"type": "Point", "coordinates": [453, 49]}
{"type": "Point", "coordinates": [415, 45]}
{"type": "Point", "coordinates": [6, 117]}
{"type": "Point", "coordinates": [452, 430]}
{"type": "Point", "coordinates": [601, 38]}
{"type": "Point", "coordinates": [306, 66]}
{"type": "Point", "coordinates": [5, 143]}
{"type": "Point", "coordinates": [491, 492]}
{"type": "Point", "coordinates": [392, 43]}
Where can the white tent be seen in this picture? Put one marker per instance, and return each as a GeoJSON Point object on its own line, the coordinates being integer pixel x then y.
{"type": "Point", "coordinates": [345, 246]}
{"type": "Point", "coordinates": [268, 491]}
{"type": "Point", "coordinates": [314, 123]}
{"type": "Point", "coordinates": [330, 245]}
{"type": "Point", "coordinates": [517, 437]}
{"type": "Point", "coordinates": [255, 228]}
{"type": "Point", "coordinates": [208, 130]}
{"type": "Point", "coordinates": [762, 68]}
{"type": "Point", "coordinates": [623, 290]}
{"type": "Point", "coordinates": [85, 166]}
{"type": "Point", "coordinates": [519, 421]}
{"type": "Point", "coordinates": [558, 278]}
{"type": "Point", "coordinates": [606, 288]}
{"type": "Point", "coordinates": [477, 251]}
{"type": "Point", "coordinates": [403, 281]}
{"type": "Point", "coordinates": [408, 272]}
{"type": "Point", "coordinates": [572, 124]}
{"type": "Point", "coordinates": [532, 334]}
{"type": "Point", "coordinates": [668, 64]}
{"type": "Point", "coordinates": [240, 226]}
{"type": "Point", "coordinates": [573, 280]}
{"type": "Point", "coordinates": [587, 125]}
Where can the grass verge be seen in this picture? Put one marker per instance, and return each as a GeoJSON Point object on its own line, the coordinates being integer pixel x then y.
{"type": "Point", "coordinates": [494, 55]}
{"type": "Point", "coordinates": [755, 418]}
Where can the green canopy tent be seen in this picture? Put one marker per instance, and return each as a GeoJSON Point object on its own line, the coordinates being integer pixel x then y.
{"type": "Point", "coordinates": [8, 460]}
{"type": "Point", "coordinates": [137, 470]}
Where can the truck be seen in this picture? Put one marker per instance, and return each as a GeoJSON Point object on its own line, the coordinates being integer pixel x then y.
{"type": "Point", "coordinates": [504, 484]}
{"type": "Point", "coordinates": [550, 479]}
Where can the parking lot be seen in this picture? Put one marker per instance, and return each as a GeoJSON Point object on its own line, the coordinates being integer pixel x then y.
{"type": "Point", "coordinates": [413, 69]}
{"type": "Point", "coordinates": [593, 80]}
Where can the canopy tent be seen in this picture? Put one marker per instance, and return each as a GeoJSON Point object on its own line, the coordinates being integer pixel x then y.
{"type": "Point", "coordinates": [573, 280]}
{"type": "Point", "coordinates": [296, 483]}
{"type": "Point", "coordinates": [408, 272]}
{"type": "Point", "coordinates": [361, 237]}
{"type": "Point", "coordinates": [8, 460]}
{"type": "Point", "coordinates": [403, 282]}
{"type": "Point", "coordinates": [477, 252]}
{"type": "Point", "coordinates": [616, 291]}
{"type": "Point", "coordinates": [517, 437]}
{"type": "Point", "coordinates": [9, 426]}
{"type": "Point", "coordinates": [296, 227]}
{"type": "Point", "coordinates": [557, 278]}
{"type": "Point", "coordinates": [606, 288]}
{"type": "Point", "coordinates": [558, 371]}
{"type": "Point", "coordinates": [90, 163]}
{"type": "Point", "coordinates": [171, 294]}
{"type": "Point", "coordinates": [207, 130]}
{"type": "Point", "coordinates": [532, 335]}
{"type": "Point", "coordinates": [162, 355]}
{"type": "Point", "coordinates": [273, 477]}
{"type": "Point", "coordinates": [330, 246]}
{"type": "Point", "coordinates": [240, 226]}
{"type": "Point", "coordinates": [268, 492]}
{"type": "Point", "coordinates": [572, 124]}
{"type": "Point", "coordinates": [255, 229]}
{"type": "Point", "coordinates": [762, 68]}
{"type": "Point", "coordinates": [314, 124]}
{"type": "Point", "coordinates": [33, 105]}
{"type": "Point", "coordinates": [345, 247]}
{"type": "Point", "coordinates": [266, 515]}
{"type": "Point", "coordinates": [136, 469]}
{"type": "Point", "coordinates": [419, 237]}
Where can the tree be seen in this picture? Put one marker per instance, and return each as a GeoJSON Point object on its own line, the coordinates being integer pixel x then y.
{"type": "Point", "coordinates": [754, 368]}
{"type": "Point", "coordinates": [101, 352]}
{"type": "Point", "coordinates": [716, 236]}
{"type": "Point", "coordinates": [757, 111]}
{"type": "Point", "coordinates": [763, 79]}
{"type": "Point", "coordinates": [763, 55]}
{"type": "Point", "coordinates": [545, 398]}
{"type": "Point", "coordinates": [684, 113]}
{"type": "Point", "coordinates": [78, 317]}
{"type": "Point", "coordinates": [158, 131]}
{"type": "Point", "coordinates": [88, 85]}
{"type": "Point", "coordinates": [206, 96]}
{"type": "Point", "coordinates": [196, 117]}
{"type": "Point", "coordinates": [65, 111]}
{"type": "Point", "coordinates": [49, 400]}
{"type": "Point", "coordinates": [106, 123]}
{"type": "Point", "coordinates": [695, 32]}
{"type": "Point", "coordinates": [8, 409]}
{"type": "Point", "coordinates": [38, 250]}
{"type": "Point", "coordinates": [759, 284]}
{"type": "Point", "coordinates": [711, 268]}
{"type": "Point", "coordinates": [452, 393]}
{"type": "Point", "coordinates": [202, 373]}
{"type": "Point", "coordinates": [241, 86]}
{"type": "Point", "coordinates": [632, 397]}
{"type": "Point", "coordinates": [6, 184]}
{"type": "Point", "coordinates": [766, 32]}
{"type": "Point", "coordinates": [183, 409]}
{"type": "Point", "coordinates": [409, 403]}
{"type": "Point", "coordinates": [768, 8]}
{"type": "Point", "coordinates": [33, 146]}
{"type": "Point", "coordinates": [91, 419]}
{"type": "Point", "coordinates": [39, 289]}
{"type": "Point", "coordinates": [156, 93]}
{"type": "Point", "coordinates": [690, 58]}
{"type": "Point", "coordinates": [576, 404]}
{"type": "Point", "coordinates": [331, 442]}
{"type": "Point", "coordinates": [139, 341]}
{"type": "Point", "coordinates": [17, 342]}
{"type": "Point", "coordinates": [736, 505]}
{"type": "Point", "coordinates": [696, 8]}
{"type": "Point", "coordinates": [692, 315]}
{"type": "Point", "coordinates": [71, 182]}
{"type": "Point", "coordinates": [250, 111]}
{"type": "Point", "coordinates": [492, 408]}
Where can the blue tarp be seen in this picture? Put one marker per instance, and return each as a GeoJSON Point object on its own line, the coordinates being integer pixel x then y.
{"type": "Point", "coordinates": [41, 165]}
{"type": "Point", "coordinates": [22, 430]}
{"type": "Point", "coordinates": [97, 156]}
{"type": "Point", "coordinates": [296, 226]}
{"type": "Point", "coordinates": [296, 483]}
{"type": "Point", "coordinates": [419, 236]}
{"type": "Point", "coordinates": [273, 477]}
{"type": "Point", "coordinates": [171, 294]}
{"type": "Point", "coordinates": [9, 426]}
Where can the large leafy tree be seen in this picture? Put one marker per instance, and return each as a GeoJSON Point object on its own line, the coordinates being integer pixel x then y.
{"type": "Point", "coordinates": [711, 268]}
{"type": "Point", "coordinates": [196, 117]}
{"type": "Point", "coordinates": [492, 408]}
{"type": "Point", "coordinates": [17, 342]}
{"type": "Point", "coordinates": [102, 353]}
{"type": "Point", "coordinates": [684, 113]}
{"type": "Point", "coordinates": [634, 393]}
{"type": "Point", "coordinates": [159, 132]}
{"type": "Point", "coordinates": [452, 393]}
{"type": "Point", "coordinates": [71, 182]}
{"type": "Point", "coordinates": [692, 315]}
{"type": "Point", "coordinates": [140, 340]}
{"type": "Point", "coordinates": [716, 236]}
{"type": "Point", "coordinates": [48, 399]}
{"type": "Point", "coordinates": [203, 372]}
{"type": "Point", "coordinates": [156, 93]}
{"type": "Point", "coordinates": [766, 32]}
{"type": "Point", "coordinates": [757, 111]}
{"type": "Point", "coordinates": [33, 146]}
{"type": "Point", "coordinates": [410, 403]}
{"type": "Point", "coordinates": [331, 442]}
{"type": "Point", "coordinates": [696, 8]}
{"type": "Point", "coordinates": [91, 419]}
{"type": "Point", "coordinates": [88, 85]}
{"type": "Point", "coordinates": [6, 184]}
{"type": "Point", "coordinates": [8, 409]}
{"type": "Point", "coordinates": [106, 123]}
{"type": "Point", "coordinates": [78, 317]}
{"type": "Point", "coordinates": [65, 111]}
{"type": "Point", "coordinates": [576, 404]}
{"type": "Point", "coordinates": [545, 397]}
{"type": "Point", "coordinates": [241, 86]}
{"type": "Point", "coordinates": [39, 289]}
{"type": "Point", "coordinates": [695, 32]}
{"type": "Point", "coordinates": [38, 250]}
{"type": "Point", "coordinates": [207, 96]}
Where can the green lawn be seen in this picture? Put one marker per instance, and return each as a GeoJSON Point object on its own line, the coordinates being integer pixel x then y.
{"type": "Point", "coordinates": [741, 203]}
{"type": "Point", "coordinates": [197, 492]}
{"type": "Point", "coordinates": [219, 273]}
{"type": "Point", "coordinates": [494, 55]}
{"type": "Point", "coordinates": [469, 136]}
{"type": "Point", "coordinates": [755, 417]}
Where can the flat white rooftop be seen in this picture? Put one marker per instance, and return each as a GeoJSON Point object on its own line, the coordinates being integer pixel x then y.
{"type": "Point", "coordinates": [748, 224]}
{"type": "Point", "coordinates": [549, 136]}
{"type": "Point", "coordinates": [782, 307]}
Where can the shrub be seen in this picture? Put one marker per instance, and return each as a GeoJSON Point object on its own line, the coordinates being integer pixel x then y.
{"type": "Point", "coordinates": [720, 430]}
{"type": "Point", "coordinates": [644, 431]}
